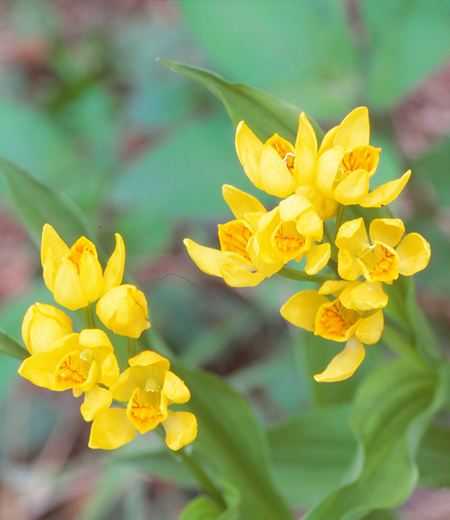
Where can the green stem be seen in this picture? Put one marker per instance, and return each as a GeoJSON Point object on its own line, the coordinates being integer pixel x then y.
{"type": "Point", "coordinates": [194, 467]}
{"type": "Point", "coordinates": [89, 317]}
{"type": "Point", "coordinates": [300, 276]}
{"type": "Point", "coordinates": [132, 349]}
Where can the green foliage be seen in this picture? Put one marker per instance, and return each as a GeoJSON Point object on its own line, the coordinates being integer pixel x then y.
{"type": "Point", "coordinates": [203, 508]}
{"type": "Point", "coordinates": [10, 347]}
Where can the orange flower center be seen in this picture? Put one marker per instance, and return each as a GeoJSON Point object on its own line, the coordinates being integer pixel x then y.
{"type": "Point", "coordinates": [333, 321]}
{"type": "Point", "coordinates": [234, 237]}
{"type": "Point", "coordinates": [144, 408]}
{"type": "Point", "coordinates": [284, 149]}
{"type": "Point", "coordinates": [360, 158]}
{"type": "Point", "coordinates": [73, 369]}
{"type": "Point", "coordinates": [288, 241]}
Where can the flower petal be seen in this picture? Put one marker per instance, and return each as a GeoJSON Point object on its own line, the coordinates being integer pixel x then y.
{"type": "Point", "coordinates": [326, 170]}
{"type": "Point", "coordinates": [389, 231]}
{"type": "Point", "coordinates": [115, 266]}
{"type": "Point", "coordinates": [364, 296]}
{"type": "Point", "coordinates": [385, 193]}
{"type": "Point", "coordinates": [301, 309]}
{"type": "Point", "coordinates": [39, 371]}
{"type": "Point", "coordinates": [181, 429]}
{"type": "Point", "coordinates": [96, 401]}
{"type": "Point", "coordinates": [353, 189]}
{"type": "Point", "coordinates": [175, 389]}
{"type": "Point", "coordinates": [207, 259]}
{"type": "Point", "coordinates": [413, 254]}
{"type": "Point", "coordinates": [240, 202]}
{"type": "Point", "coordinates": [67, 289]}
{"type": "Point", "coordinates": [51, 240]}
{"type": "Point", "coordinates": [305, 151]}
{"type": "Point", "coordinates": [352, 236]}
{"type": "Point", "coordinates": [354, 130]}
{"type": "Point", "coordinates": [344, 364]}
{"type": "Point", "coordinates": [317, 258]}
{"type": "Point", "coordinates": [111, 429]}
{"type": "Point", "coordinates": [275, 177]}
{"type": "Point", "coordinates": [291, 207]}
{"type": "Point", "coordinates": [249, 149]}
{"type": "Point", "coordinates": [370, 329]}
{"type": "Point", "coordinates": [236, 275]}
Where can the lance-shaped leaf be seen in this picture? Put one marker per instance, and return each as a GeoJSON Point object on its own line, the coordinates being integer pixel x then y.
{"type": "Point", "coordinates": [204, 508]}
{"type": "Point", "coordinates": [40, 204]}
{"type": "Point", "coordinates": [391, 410]}
{"type": "Point", "coordinates": [263, 113]}
{"type": "Point", "coordinates": [10, 347]}
{"type": "Point", "coordinates": [230, 436]}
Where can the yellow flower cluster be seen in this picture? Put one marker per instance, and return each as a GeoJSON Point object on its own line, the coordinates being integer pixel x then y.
{"type": "Point", "coordinates": [85, 362]}
{"type": "Point", "coordinates": [316, 183]}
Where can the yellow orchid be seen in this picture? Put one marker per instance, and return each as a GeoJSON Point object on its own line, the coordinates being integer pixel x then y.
{"type": "Point", "coordinates": [233, 262]}
{"type": "Point", "coordinates": [148, 387]}
{"type": "Point", "coordinates": [79, 362]}
{"type": "Point", "coordinates": [286, 233]}
{"type": "Point", "coordinates": [313, 311]}
{"type": "Point", "coordinates": [123, 310]}
{"type": "Point", "coordinates": [385, 256]}
{"type": "Point", "coordinates": [279, 168]}
{"type": "Point", "coordinates": [74, 275]}
{"type": "Point", "coordinates": [346, 162]}
{"type": "Point", "coordinates": [42, 325]}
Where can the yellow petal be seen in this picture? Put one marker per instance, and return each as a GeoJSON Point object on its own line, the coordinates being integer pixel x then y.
{"type": "Point", "coordinates": [147, 358]}
{"type": "Point", "coordinates": [344, 364]}
{"type": "Point", "coordinates": [334, 287]}
{"type": "Point", "coordinates": [111, 429]}
{"type": "Point", "coordinates": [115, 266]}
{"type": "Point", "coordinates": [353, 189]}
{"type": "Point", "coordinates": [207, 259]}
{"type": "Point", "coordinates": [305, 151]}
{"type": "Point", "coordinates": [309, 224]}
{"type": "Point", "coordinates": [67, 289]}
{"type": "Point", "coordinates": [389, 231]}
{"type": "Point", "coordinates": [42, 325]}
{"type": "Point", "coordinates": [293, 206]}
{"type": "Point", "coordinates": [181, 429]}
{"type": "Point", "coordinates": [385, 193]}
{"type": "Point", "coordinates": [352, 236]}
{"type": "Point", "coordinates": [249, 149]}
{"type": "Point", "coordinates": [364, 296]}
{"type": "Point", "coordinates": [328, 140]}
{"type": "Point", "coordinates": [275, 177]}
{"type": "Point", "coordinates": [354, 130]}
{"type": "Point", "coordinates": [347, 266]}
{"type": "Point", "coordinates": [236, 275]}
{"type": "Point", "coordinates": [240, 202]}
{"type": "Point", "coordinates": [91, 277]}
{"type": "Point", "coordinates": [96, 401]}
{"type": "Point", "coordinates": [317, 258]}
{"type": "Point", "coordinates": [175, 389]}
{"type": "Point", "coordinates": [36, 369]}
{"type": "Point", "coordinates": [370, 329]}
{"type": "Point", "coordinates": [265, 264]}
{"type": "Point", "coordinates": [51, 240]}
{"type": "Point", "coordinates": [301, 309]}
{"type": "Point", "coordinates": [413, 254]}
{"type": "Point", "coordinates": [326, 170]}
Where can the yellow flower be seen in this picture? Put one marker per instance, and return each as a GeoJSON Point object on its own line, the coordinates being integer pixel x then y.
{"type": "Point", "coordinates": [42, 325]}
{"type": "Point", "coordinates": [288, 232]}
{"type": "Point", "coordinates": [123, 310]}
{"type": "Point", "coordinates": [74, 275]}
{"type": "Point", "coordinates": [279, 168]}
{"type": "Point", "coordinates": [79, 362]}
{"type": "Point", "coordinates": [347, 161]}
{"type": "Point", "coordinates": [313, 311]}
{"type": "Point", "coordinates": [149, 388]}
{"type": "Point", "coordinates": [385, 256]}
{"type": "Point", "coordinates": [233, 262]}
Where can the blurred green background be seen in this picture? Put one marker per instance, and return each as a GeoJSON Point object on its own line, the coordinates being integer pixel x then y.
{"type": "Point", "coordinates": [86, 108]}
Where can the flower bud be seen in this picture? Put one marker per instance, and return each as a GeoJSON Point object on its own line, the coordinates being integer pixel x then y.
{"type": "Point", "coordinates": [123, 310]}
{"type": "Point", "coordinates": [42, 326]}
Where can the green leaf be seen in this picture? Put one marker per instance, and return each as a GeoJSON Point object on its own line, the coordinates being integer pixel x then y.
{"type": "Point", "coordinates": [311, 453]}
{"type": "Point", "coordinates": [434, 457]}
{"type": "Point", "coordinates": [10, 347]}
{"type": "Point", "coordinates": [40, 204]}
{"type": "Point", "coordinates": [204, 508]}
{"type": "Point", "coordinates": [230, 436]}
{"type": "Point", "coordinates": [389, 415]}
{"type": "Point", "coordinates": [263, 113]}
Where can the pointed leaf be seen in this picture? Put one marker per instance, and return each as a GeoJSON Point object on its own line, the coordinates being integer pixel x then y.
{"type": "Point", "coordinates": [263, 113]}
{"type": "Point", "coordinates": [10, 347]}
